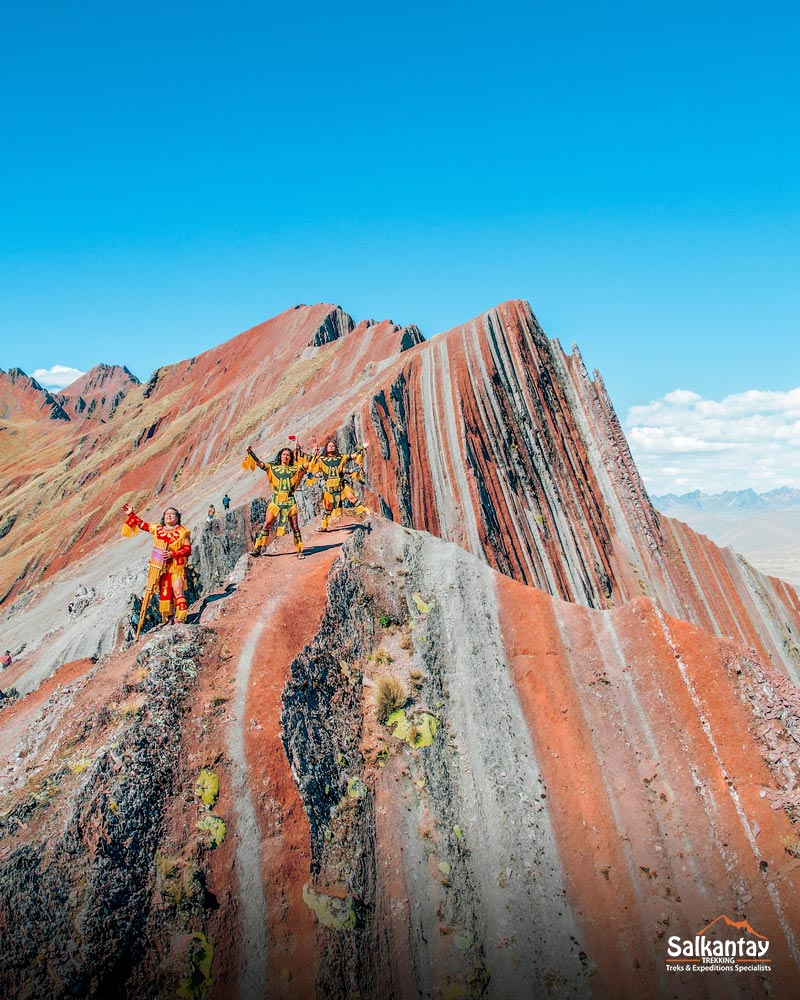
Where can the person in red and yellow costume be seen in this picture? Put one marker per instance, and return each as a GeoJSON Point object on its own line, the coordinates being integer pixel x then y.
{"type": "Point", "coordinates": [284, 474]}
{"type": "Point", "coordinates": [330, 465]}
{"type": "Point", "coordinates": [171, 550]}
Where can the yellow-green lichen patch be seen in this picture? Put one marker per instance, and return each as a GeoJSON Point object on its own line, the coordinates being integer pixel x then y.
{"type": "Point", "coordinates": [356, 788]}
{"type": "Point", "coordinates": [464, 941]}
{"type": "Point", "coordinates": [214, 827]}
{"type": "Point", "coordinates": [197, 984]}
{"type": "Point", "coordinates": [48, 789]}
{"type": "Point", "coordinates": [78, 766]}
{"type": "Point", "coordinates": [207, 787]}
{"type": "Point", "coordinates": [418, 731]}
{"type": "Point", "coordinates": [338, 914]}
{"type": "Point", "coordinates": [422, 606]}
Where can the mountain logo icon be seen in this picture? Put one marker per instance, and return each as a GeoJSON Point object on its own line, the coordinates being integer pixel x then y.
{"type": "Point", "coordinates": [739, 925]}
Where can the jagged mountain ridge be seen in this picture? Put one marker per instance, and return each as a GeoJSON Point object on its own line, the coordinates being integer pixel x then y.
{"type": "Point", "coordinates": [611, 705]}
{"type": "Point", "coordinates": [728, 500]}
{"type": "Point", "coordinates": [23, 399]}
{"type": "Point", "coordinates": [98, 392]}
{"type": "Point", "coordinates": [783, 498]}
{"type": "Point", "coordinates": [487, 435]}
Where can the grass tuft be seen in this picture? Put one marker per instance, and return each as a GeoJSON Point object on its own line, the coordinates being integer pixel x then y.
{"type": "Point", "coordinates": [390, 694]}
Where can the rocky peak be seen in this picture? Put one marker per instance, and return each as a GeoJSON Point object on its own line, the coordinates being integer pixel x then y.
{"type": "Point", "coordinates": [412, 335]}
{"type": "Point", "coordinates": [335, 325]}
{"type": "Point", "coordinates": [98, 392]}
{"type": "Point", "coordinates": [22, 398]}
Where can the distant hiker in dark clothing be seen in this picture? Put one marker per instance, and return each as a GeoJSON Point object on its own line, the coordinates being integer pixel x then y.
{"type": "Point", "coordinates": [226, 501]}
{"type": "Point", "coordinates": [6, 661]}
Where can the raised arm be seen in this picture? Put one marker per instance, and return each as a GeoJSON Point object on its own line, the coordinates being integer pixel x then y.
{"type": "Point", "coordinates": [133, 523]}
{"type": "Point", "coordinates": [252, 455]}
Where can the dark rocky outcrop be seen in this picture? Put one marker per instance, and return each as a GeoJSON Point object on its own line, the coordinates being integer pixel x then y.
{"type": "Point", "coordinates": [335, 325]}
{"type": "Point", "coordinates": [76, 894]}
{"type": "Point", "coordinates": [349, 769]}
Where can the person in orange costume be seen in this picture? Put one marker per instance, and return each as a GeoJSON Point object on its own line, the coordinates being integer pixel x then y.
{"type": "Point", "coordinates": [284, 474]}
{"type": "Point", "coordinates": [330, 466]}
{"type": "Point", "coordinates": [172, 548]}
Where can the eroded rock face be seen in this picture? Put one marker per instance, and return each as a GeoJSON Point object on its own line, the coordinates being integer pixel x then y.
{"type": "Point", "coordinates": [560, 823]}
{"type": "Point", "coordinates": [430, 851]}
{"type": "Point", "coordinates": [76, 889]}
{"type": "Point", "coordinates": [218, 546]}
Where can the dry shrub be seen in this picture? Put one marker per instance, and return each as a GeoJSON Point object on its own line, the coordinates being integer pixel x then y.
{"type": "Point", "coordinates": [390, 694]}
{"type": "Point", "coordinates": [381, 657]}
{"type": "Point", "coordinates": [180, 883]}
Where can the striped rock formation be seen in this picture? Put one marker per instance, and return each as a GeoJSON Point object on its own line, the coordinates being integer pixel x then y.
{"type": "Point", "coordinates": [599, 744]}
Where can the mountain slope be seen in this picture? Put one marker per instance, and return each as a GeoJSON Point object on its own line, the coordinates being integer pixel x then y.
{"type": "Point", "coordinates": [598, 744]}
{"type": "Point", "coordinates": [528, 849]}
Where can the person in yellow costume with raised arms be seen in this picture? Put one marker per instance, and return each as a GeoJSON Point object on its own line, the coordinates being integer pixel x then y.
{"type": "Point", "coordinates": [330, 465]}
{"type": "Point", "coordinates": [284, 474]}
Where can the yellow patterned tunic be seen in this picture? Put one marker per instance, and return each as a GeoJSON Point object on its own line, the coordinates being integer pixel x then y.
{"type": "Point", "coordinates": [331, 468]}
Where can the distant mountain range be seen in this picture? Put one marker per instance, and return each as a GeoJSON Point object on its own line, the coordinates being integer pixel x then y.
{"type": "Point", "coordinates": [784, 498]}
{"type": "Point", "coordinates": [764, 527]}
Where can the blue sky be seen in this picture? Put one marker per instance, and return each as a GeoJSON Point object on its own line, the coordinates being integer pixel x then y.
{"type": "Point", "coordinates": [174, 173]}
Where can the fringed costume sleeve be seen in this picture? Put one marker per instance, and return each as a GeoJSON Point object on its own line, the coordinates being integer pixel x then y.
{"type": "Point", "coordinates": [133, 524]}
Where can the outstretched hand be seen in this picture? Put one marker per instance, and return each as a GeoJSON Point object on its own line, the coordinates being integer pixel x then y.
{"type": "Point", "coordinates": [127, 509]}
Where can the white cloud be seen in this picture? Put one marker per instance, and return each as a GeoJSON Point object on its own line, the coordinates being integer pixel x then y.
{"type": "Point", "coordinates": [57, 377]}
{"type": "Point", "coordinates": [683, 442]}
{"type": "Point", "coordinates": [682, 397]}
